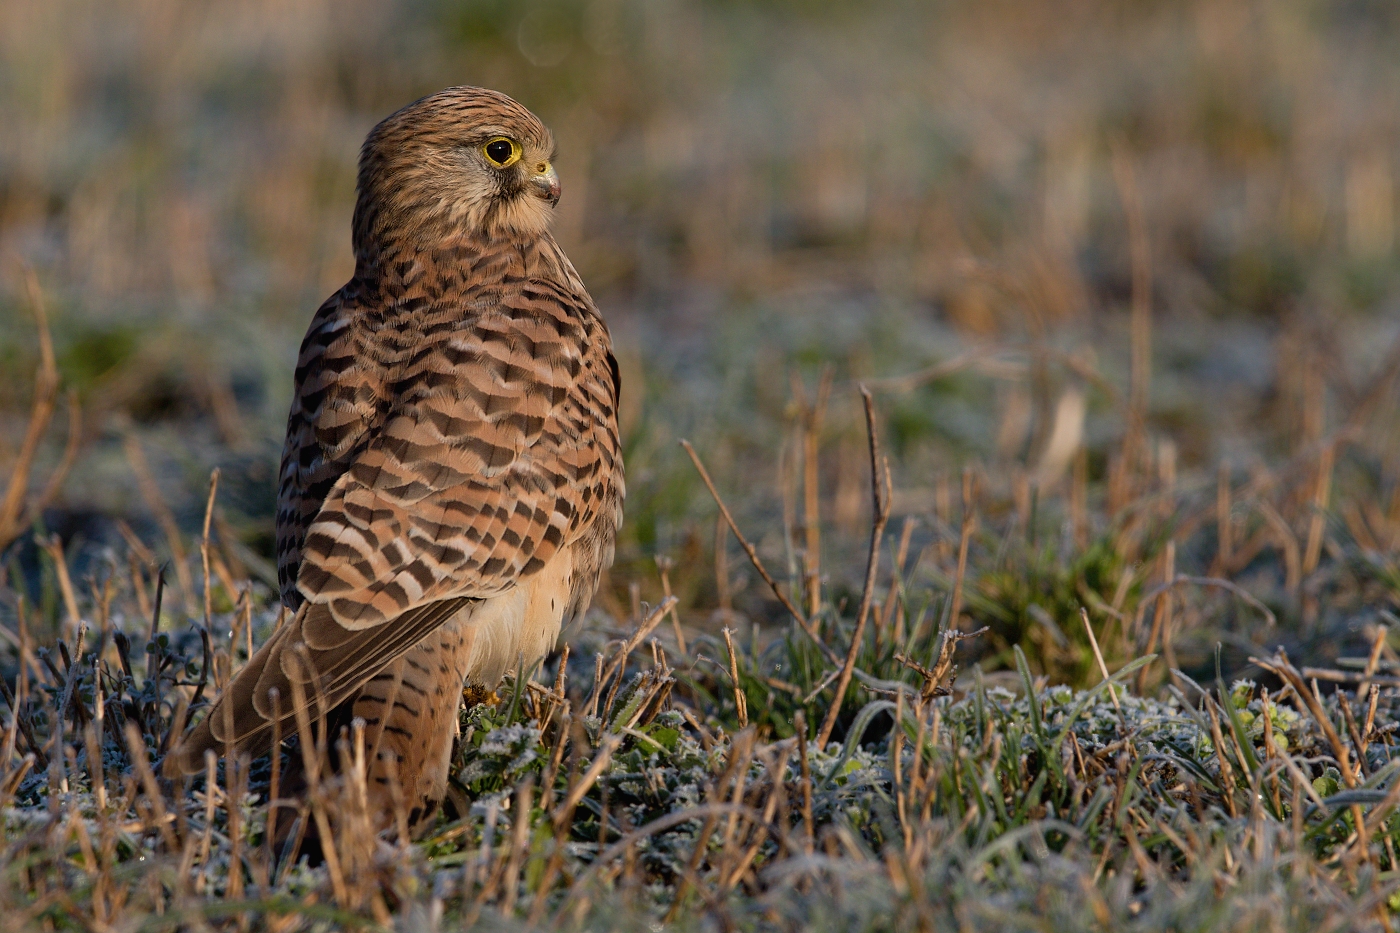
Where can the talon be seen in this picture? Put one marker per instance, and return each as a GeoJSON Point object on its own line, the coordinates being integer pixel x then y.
{"type": "Point", "coordinates": [476, 695]}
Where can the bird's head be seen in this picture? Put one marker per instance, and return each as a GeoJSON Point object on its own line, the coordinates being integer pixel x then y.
{"type": "Point", "coordinates": [465, 160]}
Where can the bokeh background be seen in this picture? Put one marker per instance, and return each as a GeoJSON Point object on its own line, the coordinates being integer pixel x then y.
{"type": "Point", "coordinates": [758, 192]}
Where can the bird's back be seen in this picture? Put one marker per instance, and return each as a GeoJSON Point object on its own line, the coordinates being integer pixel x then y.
{"type": "Point", "coordinates": [495, 357]}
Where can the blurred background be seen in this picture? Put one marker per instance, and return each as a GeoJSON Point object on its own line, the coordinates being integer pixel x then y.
{"type": "Point", "coordinates": [1101, 258]}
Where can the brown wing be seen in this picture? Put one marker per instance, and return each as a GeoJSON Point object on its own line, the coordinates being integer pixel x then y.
{"type": "Point", "coordinates": [475, 447]}
{"type": "Point", "coordinates": [341, 398]}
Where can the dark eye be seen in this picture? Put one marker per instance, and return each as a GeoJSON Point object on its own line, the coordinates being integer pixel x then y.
{"type": "Point", "coordinates": [501, 151]}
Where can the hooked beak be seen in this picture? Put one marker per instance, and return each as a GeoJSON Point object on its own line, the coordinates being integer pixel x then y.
{"type": "Point", "coordinates": [546, 182]}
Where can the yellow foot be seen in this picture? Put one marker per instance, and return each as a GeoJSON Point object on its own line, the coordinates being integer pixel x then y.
{"type": "Point", "coordinates": [475, 695]}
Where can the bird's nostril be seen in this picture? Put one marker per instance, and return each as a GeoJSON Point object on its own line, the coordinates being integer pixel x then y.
{"type": "Point", "coordinates": [542, 167]}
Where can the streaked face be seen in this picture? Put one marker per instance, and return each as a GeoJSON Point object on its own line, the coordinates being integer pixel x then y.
{"type": "Point", "coordinates": [463, 161]}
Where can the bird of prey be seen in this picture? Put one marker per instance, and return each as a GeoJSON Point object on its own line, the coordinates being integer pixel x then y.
{"type": "Point", "coordinates": [452, 484]}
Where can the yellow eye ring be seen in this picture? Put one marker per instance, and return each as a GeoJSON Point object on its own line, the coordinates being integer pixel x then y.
{"type": "Point", "coordinates": [501, 151]}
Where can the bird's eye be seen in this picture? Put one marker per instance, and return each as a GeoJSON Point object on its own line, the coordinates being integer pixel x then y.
{"type": "Point", "coordinates": [501, 151]}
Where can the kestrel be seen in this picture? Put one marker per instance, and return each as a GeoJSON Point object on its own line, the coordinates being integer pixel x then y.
{"type": "Point", "coordinates": [451, 485]}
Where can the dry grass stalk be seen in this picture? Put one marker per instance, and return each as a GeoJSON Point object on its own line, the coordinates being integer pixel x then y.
{"type": "Point", "coordinates": [53, 546]}
{"type": "Point", "coordinates": [1224, 521]}
{"type": "Point", "coordinates": [881, 492]}
{"type": "Point", "coordinates": [760, 829]}
{"type": "Point", "coordinates": [519, 845]}
{"type": "Point", "coordinates": [969, 525]}
{"type": "Point", "coordinates": [811, 418]}
{"type": "Point", "coordinates": [1281, 666]}
{"type": "Point", "coordinates": [663, 566]}
{"type": "Point", "coordinates": [1079, 498]}
{"type": "Point", "coordinates": [601, 759]}
{"type": "Point", "coordinates": [17, 511]}
{"type": "Point", "coordinates": [150, 493]}
{"type": "Point", "coordinates": [1098, 658]}
{"type": "Point", "coordinates": [1332, 675]}
{"type": "Point", "coordinates": [1358, 744]}
{"type": "Point", "coordinates": [155, 800]}
{"type": "Point", "coordinates": [943, 668]}
{"type": "Point", "coordinates": [754, 559]}
{"type": "Point", "coordinates": [616, 667]}
{"type": "Point", "coordinates": [1134, 446]}
{"type": "Point", "coordinates": [1181, 579]}
{"type": "Point", "coordinates": [957, 364]}
{"type": "Point", "coordinates": [741, 703]}
{"type": "Point", "coordinates": [1317, 521]}
{"type": "Point", "coordinates": [808, 825]}
{"type": "Point", "coordinates": [723, 597]}
{"type": "Point", "coordinates": [313, 761]}
{"type": "Point", "coordinates": [889, 616]}
{"type": "Point", "coordinates": [204, 551]}
{"type": "Point", "coordinates": [1379, 640]}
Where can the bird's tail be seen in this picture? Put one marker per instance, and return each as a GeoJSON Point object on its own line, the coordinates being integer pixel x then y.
{"type": "Point", "coordinates": [309, 666]}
